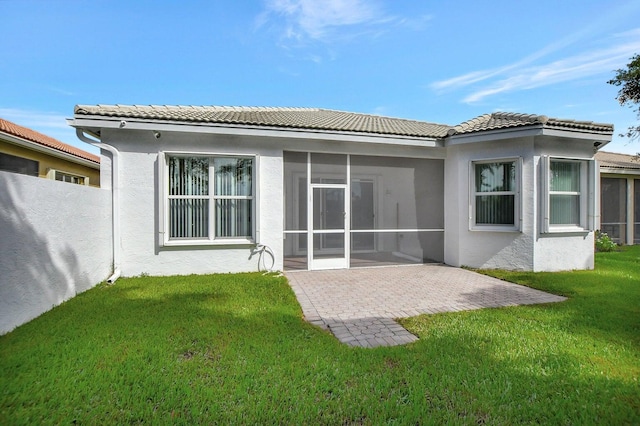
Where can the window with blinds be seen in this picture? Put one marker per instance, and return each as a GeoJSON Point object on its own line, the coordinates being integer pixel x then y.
{"type": "Point", "coordinates": [210, 198]}
{"type": "Point", "coordinates": [564, 193]}
{"type": "Point", "coordinates": [569, 192]}
{"type": "Point", "coordinates": [494, 201]}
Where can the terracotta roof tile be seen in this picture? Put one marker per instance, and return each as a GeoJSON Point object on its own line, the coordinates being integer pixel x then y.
{"type": "Point", "coordinates": [293, 118]}
{"type": "Point", "coordinates": [41, 139]}
{"type": "Point", "coordinates": [618, 161]}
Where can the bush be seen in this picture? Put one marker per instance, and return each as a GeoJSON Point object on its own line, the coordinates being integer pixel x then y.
{"type": "Point", "coordinates": [604, 242]}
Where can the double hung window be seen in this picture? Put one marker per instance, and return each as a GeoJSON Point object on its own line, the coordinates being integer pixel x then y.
{"type": "Point", "coordinates": [495, 195]}
{"type": "Point", "coordinates": [209, 199]}
{"type": "Point", "coordinates": [569, 199]}
{"type": "Point", "coordinates": [564, 193]}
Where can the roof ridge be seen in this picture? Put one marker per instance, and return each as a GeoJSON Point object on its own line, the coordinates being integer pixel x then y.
{"type": "Point", "coordinates": [583, 122]}
{"type": "Point", "coordinates": [198, 107]}
{"type": "Point", "coordinates": [231, 108]}
{"type": "Point", "coordinates": [368, 114]}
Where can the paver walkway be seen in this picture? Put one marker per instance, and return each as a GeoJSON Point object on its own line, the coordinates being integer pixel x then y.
{"type": "Point", "coordinates": [359, 305]}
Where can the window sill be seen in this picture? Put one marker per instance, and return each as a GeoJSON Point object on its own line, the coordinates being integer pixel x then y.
{"type": "Point", "coordinates": [567, 230]}
{"type": "Point", "coordinates": [494, 228]}
{"type": "Point", "coordinates": [218, 242]}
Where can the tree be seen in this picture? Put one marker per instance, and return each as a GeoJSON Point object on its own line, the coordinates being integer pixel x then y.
{"type": "Point", "coordinates": [629, 94]}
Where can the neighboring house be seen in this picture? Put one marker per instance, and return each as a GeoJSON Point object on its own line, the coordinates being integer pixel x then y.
{"type": "Point", "coordinates": [224, 189]}
{"type": "Point", "coordinates": [26, 151]}
{"type": "Point", "coordinates": [620, 196]}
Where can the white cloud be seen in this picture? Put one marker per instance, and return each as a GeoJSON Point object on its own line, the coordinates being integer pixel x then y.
{"type": "Point", "coordinates": [569, 69]}
{"type": "Point", "coordinates": [316, 19]}
{"type": "Point", "coordinates": [525, 74]}
{"type": "Point", "coordinates": [301, 21]}
{"type": "Point", "coordinates": [34, 119]}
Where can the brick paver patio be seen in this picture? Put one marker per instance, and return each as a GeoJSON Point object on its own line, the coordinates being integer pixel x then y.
{"type": "Point", "coordinates": [359, 305]}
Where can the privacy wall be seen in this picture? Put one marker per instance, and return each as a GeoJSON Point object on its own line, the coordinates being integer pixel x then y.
{"type": "Point", "coordinates": [55, 242]}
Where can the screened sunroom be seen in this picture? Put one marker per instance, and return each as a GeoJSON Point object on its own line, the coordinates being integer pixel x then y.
{"type": "Point", "coordinates": [347, 211]}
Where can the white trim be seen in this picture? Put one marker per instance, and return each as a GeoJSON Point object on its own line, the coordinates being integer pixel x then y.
{"type": "Point", "coordinates": [309, 214]}
{"type": "Point", "coordinates": [589, 217]}
{"type": "Point", "coordinates": [374, 231]}
{"type": "Point", "coordinates": [544, 191]}
{"type": "Point", "coordinates": [328, 231]}
{"type": "Point", "coordinates": [517, 194]}
{"type": "Point", "coordinates": [255, 189]}
{"type": "Point", "coordinates": [209, 242]}
{"type": "Point", "coordinates": [254, 130]}
{"type": "Point", "coordinates": [341, 261]}
{"type": "Point", "coordinates": [587, 136]}
{"type": "Point", "coordinates": [165, 239]}
{"type": "Point", "coordinates": [593, 194]}
{"type": "Point", "coordinates": [163, 187]}
{"type": "Point", "coordinates": [347, 215]}
{"type": "Point", "coordinates": [51, 174]}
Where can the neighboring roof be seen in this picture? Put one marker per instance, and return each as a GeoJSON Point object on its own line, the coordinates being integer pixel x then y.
{"type": "Point", "coordinates": [504, 120]}
{"type": "Point", "coordinates": [614, 160]}
{"type": "Point", "coordinates": [292, 118]}
{"type": "Point", "coordinates": [31, 135]}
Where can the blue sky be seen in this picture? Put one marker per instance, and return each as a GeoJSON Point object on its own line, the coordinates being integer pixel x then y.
{"type": "Point", "coordinates": [438, 61]}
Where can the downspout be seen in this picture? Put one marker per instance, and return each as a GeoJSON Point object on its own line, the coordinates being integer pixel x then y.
{"type": "Point", "coordinates": [115, 200]}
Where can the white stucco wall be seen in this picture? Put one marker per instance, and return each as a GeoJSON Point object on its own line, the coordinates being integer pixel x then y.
{"type": "Point", "coordinates": [529, 249]}
{"type": "Point", "coordinates": [140, 204]}
{"type": "Point", "coordinates": [55, 242]}
{"type": "Point", "coordinates": [525, 249]}
{"type": "Point", "coordinates": [562, 251]}
{"type": "Point", "coordinates": [140, 196]}
{"type": "Point", "coordinates": [479, 248]}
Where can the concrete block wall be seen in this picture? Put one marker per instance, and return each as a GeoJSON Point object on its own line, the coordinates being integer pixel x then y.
{"type": "Point", "coordinates": [55, 242]}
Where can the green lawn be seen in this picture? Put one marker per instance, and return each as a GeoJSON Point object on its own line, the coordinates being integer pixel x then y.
{"type": "Point", "coordinates": [234, 349]}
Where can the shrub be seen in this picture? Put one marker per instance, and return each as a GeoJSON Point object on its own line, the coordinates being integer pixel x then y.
{"type": "Point", "coordinates": [604, 242]}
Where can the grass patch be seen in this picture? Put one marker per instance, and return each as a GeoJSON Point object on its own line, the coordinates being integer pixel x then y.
{"type": "Point", "coordinates": [234, 349]}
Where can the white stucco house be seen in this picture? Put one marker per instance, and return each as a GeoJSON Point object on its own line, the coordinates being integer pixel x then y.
{"type": "Point", "coordinates": [221, 189]}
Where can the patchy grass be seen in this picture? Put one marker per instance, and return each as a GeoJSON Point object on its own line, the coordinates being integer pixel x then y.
{"type": "Point", "coordinates": [234, 349]}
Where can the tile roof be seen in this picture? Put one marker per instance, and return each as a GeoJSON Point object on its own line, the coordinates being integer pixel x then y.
{"type": "Point", "coordinates": [504, 120]}
{"type": "Point", "coordinates": [331, 120]}
{"type": "Point", "coordinates": [31, 135]}
{"type": "Point", "coordinates": [618, 161]}
{"type": "Point", "coordinates": [293, 118]}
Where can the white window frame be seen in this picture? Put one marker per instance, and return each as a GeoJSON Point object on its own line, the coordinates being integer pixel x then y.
{"type": "Point", "coordinates": [517, 201]}
{"type": "Point", "coordinates": [589, 182]}
{"type": "Point", "coordinates": [51, 174]}
{"type": "Point", "coordinates": [210, 240]}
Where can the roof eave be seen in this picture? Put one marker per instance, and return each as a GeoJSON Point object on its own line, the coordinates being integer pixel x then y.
{"type": "Point", "coordinates": [619, 171]}
{"type": "Point", "coordinates": [26, 143]}
{"type": "Point", "coordinates": [494, 134]}
{"type": "Point", "coordinates": [601, 138]}
{"type": "Point", "coordinates": [96, 123]}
